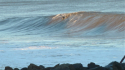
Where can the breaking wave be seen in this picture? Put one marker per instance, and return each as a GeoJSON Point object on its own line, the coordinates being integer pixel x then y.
{"type": "Point", "coordinates": [78, 24]}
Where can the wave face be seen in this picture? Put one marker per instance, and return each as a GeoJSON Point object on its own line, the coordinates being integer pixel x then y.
{"type": "Point", "coordinates": [78, 24]}
{"type": "Point", "coordinates": [92, 24]}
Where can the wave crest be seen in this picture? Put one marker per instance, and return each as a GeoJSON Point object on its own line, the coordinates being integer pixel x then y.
{"type": "Point", "coordinates": [78, 24]}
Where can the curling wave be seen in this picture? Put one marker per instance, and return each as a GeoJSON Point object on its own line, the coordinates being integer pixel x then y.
{"type": "Point", "coordinates": [78, 24]}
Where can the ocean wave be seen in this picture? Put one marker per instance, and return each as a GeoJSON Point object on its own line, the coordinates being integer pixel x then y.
{"type": "Point", "coordinates": [77, 24]}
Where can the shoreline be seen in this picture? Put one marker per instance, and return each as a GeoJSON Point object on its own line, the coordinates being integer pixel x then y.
{"type": "Point", "coordinates": [77, 66]}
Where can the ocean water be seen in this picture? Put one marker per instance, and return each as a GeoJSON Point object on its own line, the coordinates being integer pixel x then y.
{"type": "Point", "coordinates": [48, 32]}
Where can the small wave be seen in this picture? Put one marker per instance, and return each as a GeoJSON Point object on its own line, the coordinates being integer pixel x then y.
{"type": "Point", "coordinates": [78, 24]}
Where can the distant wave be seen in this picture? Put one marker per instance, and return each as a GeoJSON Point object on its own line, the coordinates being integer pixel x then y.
{"type": "Point", "coordinates": [77, 24]}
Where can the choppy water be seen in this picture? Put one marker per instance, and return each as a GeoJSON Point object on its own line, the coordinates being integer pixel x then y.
{"type": "Point", "coordinates": [53, 30]}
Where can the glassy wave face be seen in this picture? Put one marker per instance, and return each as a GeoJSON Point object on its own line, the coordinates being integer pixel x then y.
{"type": "Point", "coordinates": [78, 24]}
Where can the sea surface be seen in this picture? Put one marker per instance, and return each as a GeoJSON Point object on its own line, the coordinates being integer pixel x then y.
{"type": "Point", "coordinates": [50, 32]}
